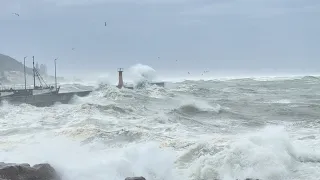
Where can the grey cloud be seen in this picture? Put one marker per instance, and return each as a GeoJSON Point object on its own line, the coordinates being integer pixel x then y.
{"type": "Point", "coordinates": [255, 8]}
{"type": "Point", "coordinates": [216, 34]}
{"type": "Point", "coordinates": [88, 2]}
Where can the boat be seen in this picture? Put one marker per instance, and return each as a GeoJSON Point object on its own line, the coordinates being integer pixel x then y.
{"type": "Point", "coordinates": [39, 96]}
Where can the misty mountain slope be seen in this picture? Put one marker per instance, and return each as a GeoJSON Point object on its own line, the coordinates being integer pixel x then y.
{"type": "Point", "coordinates": [12, 72]}
{"type": "Point", "coordinates": [7, 63]}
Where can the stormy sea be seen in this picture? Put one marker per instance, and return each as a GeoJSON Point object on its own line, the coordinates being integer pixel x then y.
{"type": "Point", "coordinates": [191, 129]}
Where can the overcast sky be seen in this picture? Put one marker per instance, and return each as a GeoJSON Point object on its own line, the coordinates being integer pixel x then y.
{"type": "Point", "coordinates": [217, 35]}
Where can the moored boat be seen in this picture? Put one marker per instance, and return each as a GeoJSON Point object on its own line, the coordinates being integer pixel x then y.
{"type": "Point", "coordinates": [42, 95]}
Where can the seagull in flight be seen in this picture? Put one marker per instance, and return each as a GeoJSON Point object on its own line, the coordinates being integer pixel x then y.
{"type": "Point", "coordinates": [16, 14]}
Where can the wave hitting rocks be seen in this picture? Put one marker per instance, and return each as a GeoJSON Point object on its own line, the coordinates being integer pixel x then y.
{"type": "Point", "coordinates": [12, 171]}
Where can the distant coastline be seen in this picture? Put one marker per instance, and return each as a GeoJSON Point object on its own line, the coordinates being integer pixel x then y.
{"type": "Point", "coordinates": [11, 71]}
{"type": "Point", "coordinates": [8, 63]}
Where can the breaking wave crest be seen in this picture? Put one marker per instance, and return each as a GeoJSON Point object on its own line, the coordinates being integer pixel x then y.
{"type": "Point", "coordinates": [198, 107]}
{"type": "Point", "coordinates": [194, 130]}
{"type": "Point", "coordinates": [267, 154]}
{"type": "Point", "coordinates": [141, 74]}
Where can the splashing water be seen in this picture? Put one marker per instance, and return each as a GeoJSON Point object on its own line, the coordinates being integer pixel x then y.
{"type": "Point", "coordinates": [82, 162]}
{"type": "Point", "coordinates": [142, 72]}
{"type": "Point", "coordinates": [193, 130]}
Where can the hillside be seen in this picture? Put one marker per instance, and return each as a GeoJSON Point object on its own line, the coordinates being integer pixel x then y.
{"type": "Point", "coordinates": [9, 64]}
{"type": "Point", "coordinates": [12, 72]}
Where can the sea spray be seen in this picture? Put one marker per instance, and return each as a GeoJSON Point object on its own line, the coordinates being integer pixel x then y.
{"type": "Point", "coordinates": [104, 135]}
{"type": "Point", "coordinates": [142, 73]}
{"type": "Point", "coordinates": [96, 161]}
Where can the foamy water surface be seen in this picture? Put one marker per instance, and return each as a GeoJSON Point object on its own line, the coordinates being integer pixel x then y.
{"type": "Point", "coordinates": [197, 130]}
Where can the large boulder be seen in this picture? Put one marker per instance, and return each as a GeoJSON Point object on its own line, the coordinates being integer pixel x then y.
{"type": "Point", "coordinates": [10, 171]}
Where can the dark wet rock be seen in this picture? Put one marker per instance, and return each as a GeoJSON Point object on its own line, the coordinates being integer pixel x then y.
{"type": "Point", "coordinates": [11, 171]}
{"type": "Point", "coordinates": [135, 178]}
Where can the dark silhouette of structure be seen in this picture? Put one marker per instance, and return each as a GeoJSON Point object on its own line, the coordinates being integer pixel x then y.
{"type": "Point", "coordinates": [120, 83]}
{"type": "Point", "coordinates": [47, 95]}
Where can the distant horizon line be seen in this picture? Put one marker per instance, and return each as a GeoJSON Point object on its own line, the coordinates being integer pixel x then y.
{"type": "Point", "coordinates": [174, 79]}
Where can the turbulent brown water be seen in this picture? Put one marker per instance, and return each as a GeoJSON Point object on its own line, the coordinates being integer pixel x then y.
{"type": "Point", "coordinates": [197, 130]}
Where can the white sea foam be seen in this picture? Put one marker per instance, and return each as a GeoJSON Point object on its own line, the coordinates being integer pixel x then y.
{"type": "Point", "coordinates": [114, 133]}
{"type": "Point", "coordinates": [95, 161]}
{"type": "Point", "coordinates": [267, 154]}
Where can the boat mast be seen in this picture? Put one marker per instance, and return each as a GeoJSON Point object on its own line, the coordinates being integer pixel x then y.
{"type": "Point", "coordinates": [34, 76]}
{"type": "Point", "coordinates": [24, 69]}
{"type": "Point", "coordinates": [55, 72]}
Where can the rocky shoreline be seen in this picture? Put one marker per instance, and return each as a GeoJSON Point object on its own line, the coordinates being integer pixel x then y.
{"type": "Point", "coordinates": [12, 171]}
{"type": "Point", "coordinates": [26, 172]}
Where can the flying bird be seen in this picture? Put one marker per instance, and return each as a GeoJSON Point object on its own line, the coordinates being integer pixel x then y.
{"type": "Point", "coordinates": [105, 23]}
{"type": "Point", "coordinates": [72, 48]}
{"type": "Point", "coordinates": [16, 14]}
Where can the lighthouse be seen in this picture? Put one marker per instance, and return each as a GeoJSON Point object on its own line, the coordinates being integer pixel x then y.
{"type": "Point", "coordinates": [120, 83]}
